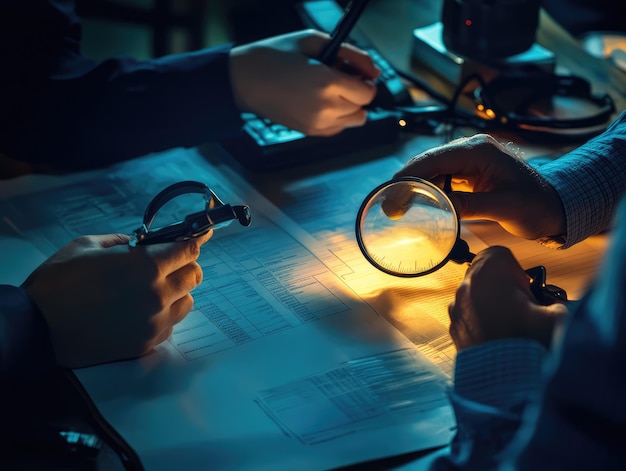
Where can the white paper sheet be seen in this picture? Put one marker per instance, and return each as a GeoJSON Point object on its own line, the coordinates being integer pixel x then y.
{"type": "Point", "coordinates": [281, 365]}
{"type": "Point", "coordinates": [272, 328]}
{"type": "Point", "coordinates": [416, 306]}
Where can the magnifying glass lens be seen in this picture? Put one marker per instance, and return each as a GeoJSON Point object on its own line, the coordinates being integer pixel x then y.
{"type": "Point", "coordinates": [407, 227]}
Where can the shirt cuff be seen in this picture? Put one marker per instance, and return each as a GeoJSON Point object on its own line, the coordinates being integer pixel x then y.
{"type": "Point", "coordinates": [25, 344]}
{"type": "Point", "coordinates": [501, 373]}
{"type": "Point", "coordinates": [554, 242]}
{"type": "Point", "coordinates": [590, 183]}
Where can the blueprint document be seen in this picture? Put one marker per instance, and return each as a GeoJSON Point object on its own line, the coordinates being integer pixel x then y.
{"type": "Point", "coordinates": [418, 307]}
{"type": "Point", "coordinates": [279, 366]}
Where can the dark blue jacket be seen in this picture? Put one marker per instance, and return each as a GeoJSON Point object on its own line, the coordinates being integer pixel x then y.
{"type": "Point", "coordinates": [61, 109]}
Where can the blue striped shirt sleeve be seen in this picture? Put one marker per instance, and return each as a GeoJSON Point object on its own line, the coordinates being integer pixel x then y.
{"type": "Point", "coordinates": [590, 180]}
{"type": "Point", "coordinates": [501, 373]}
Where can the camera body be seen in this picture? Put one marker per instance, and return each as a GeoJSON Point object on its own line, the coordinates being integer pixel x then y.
{"type": "Point", "coordinates": [489, 30]}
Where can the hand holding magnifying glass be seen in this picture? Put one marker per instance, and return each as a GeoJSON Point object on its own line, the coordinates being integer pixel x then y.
{"type": "Point", "coordinates": [408, 227]}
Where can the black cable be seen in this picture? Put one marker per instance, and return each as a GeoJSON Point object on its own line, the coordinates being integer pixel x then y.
{"type": "Point", "coordinates": [515, 121]}
{"type": "Point", "coordinates": [449, 114]}
{"type": "Point", "coordinates": [452, 106]}
{"type": "Point", "coordinates": [422, 86]}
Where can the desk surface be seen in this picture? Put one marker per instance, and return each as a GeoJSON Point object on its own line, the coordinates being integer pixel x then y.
{"type": "Point", "coordinates": [156, 385]}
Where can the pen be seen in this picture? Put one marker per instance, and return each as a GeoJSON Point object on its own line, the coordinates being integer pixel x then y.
{"type": "Point", "coordinates": [342, 30]}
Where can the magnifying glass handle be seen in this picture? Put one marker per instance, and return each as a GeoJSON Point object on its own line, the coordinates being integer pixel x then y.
{"type": "Point", "coordinates": [546, 294]}
{"type": "Point", "coordinates": [461, 253]}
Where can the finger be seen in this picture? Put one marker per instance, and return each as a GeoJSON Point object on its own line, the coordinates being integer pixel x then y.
{"type": "Point", "coordinates": [204, 238]}
{"type": "Point", "coordinates": [496, 264]}
{"type": "Point", "coordinates": [162, 337]}
{"type": "Point", "coordinates": [183, 280]}
{"type": "Point", "coordinates": [454, 158]}
{"type": "Point", "coordinates": [432, 163]}
{"type": "Point", "coordinates": [348, 110]}
{"type": "Point", "coordinates": [543, 321]}
{"type": "Point", "coordinates": [396, 201]}
{"type": "Point", "coordinates": [358, 60]}
{"type": "Point", "coordinates": [356, 117]}
{"type": "Point", "coordinates": [171, 256]}
{"type": "Point", "coordinates": [455, 324]}
{"type": "Point", "coordinates": [554, 311]}
{"type": "Point", "coordinates": [100, 241]}
{"type": "Point", "coordinates": [91, 242]}
{"type": "Point", "coordinates": [493, 256]}
{"type": "Point", "coordinates": [493, 206]}
{"type": "Point", "coordinates": [340, 112]}
{"type": "Point", "coordinates": [311, 42]}
{"type": "Point", "coordinates": [339, 124]}
{"type": "Point", "coordinates": [558, 310]}
{"type": "Point", "coordinates": [180, 309]}
{"type": "Point", "coordinates": [469, 205]}
{"type": "Point", "coordinates": [499, 265]}
{"type": "Point", "coordinates": [165, 321]}
{"type": "Point", "coordinates": [452, 309]}
{"type": "Point", "coordinates": [354, 89]}
{"type": "Point", "coordinates": [326, 131]}
{"type": "Point", "coordinates": [111, 240]}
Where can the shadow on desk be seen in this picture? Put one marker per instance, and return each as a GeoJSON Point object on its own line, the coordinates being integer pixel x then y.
{"type": "Point", "coordinates": [417, 461]}
{"type": "Point", "coordinates": [48, 425]}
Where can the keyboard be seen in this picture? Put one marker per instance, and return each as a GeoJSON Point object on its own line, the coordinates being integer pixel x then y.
{"type": "Point", "coordinates": [265, 145]}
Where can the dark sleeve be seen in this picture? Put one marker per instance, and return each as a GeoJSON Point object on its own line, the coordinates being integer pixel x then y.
{"type": "Point", "coordinates": [581, 421]}
{"type": "Point", "coordinates": [25, 345]}
{"type": "Point", "coordinates": [578, 419]}
{"type": "Point", "coordinates": [493, 384]}
{"type": "Point", "coordinates": [68, 111]}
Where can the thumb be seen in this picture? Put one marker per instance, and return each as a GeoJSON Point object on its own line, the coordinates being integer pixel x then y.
{"type": "Point", "coordinates": [359, 61]}
{"type": "Point", "coordinates": [203, 239]}
{"type": "Point", "coordinates": [546, 320]}
{"type": "Point", "coordinates": [483, 205]}
{"type": "Point", "coordinates": [102, 241]}
{"type": "Point", "coordinates": [106, 241]}
{"type": "Point", "coordinates": [557, 310]}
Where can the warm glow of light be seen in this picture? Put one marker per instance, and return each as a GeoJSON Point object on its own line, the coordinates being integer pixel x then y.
{"type": "Point", "coordinates": [468, 22]}
{"type": "Point", "coordinates": [371, 283]}
{"type": "Point", "coordinates": [485, 112]}
{"type": "Point", "coordinates": [411, 241]}
{"type": "Point", "coordinates": [402, 123]}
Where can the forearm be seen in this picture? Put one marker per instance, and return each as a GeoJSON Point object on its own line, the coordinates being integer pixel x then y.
{"type": "Point", "coordinates": [581, 421]}
{"type": "Point", "coordinates": [25, 346]}
{"type": "Point", "coordinates": [590, 181]}
{"type": "Point", "coordinates": [92, 114]}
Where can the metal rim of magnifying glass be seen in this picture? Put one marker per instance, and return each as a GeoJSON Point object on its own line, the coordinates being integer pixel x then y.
{"type": "Point", "coordinates": [359, 237]}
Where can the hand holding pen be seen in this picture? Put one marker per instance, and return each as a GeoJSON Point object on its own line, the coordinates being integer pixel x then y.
{"type": "Point", "coordinates": [282, 79]}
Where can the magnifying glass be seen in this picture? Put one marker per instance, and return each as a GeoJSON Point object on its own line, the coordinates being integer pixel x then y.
{"type": "Point", "coordinates": [408, 227]}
